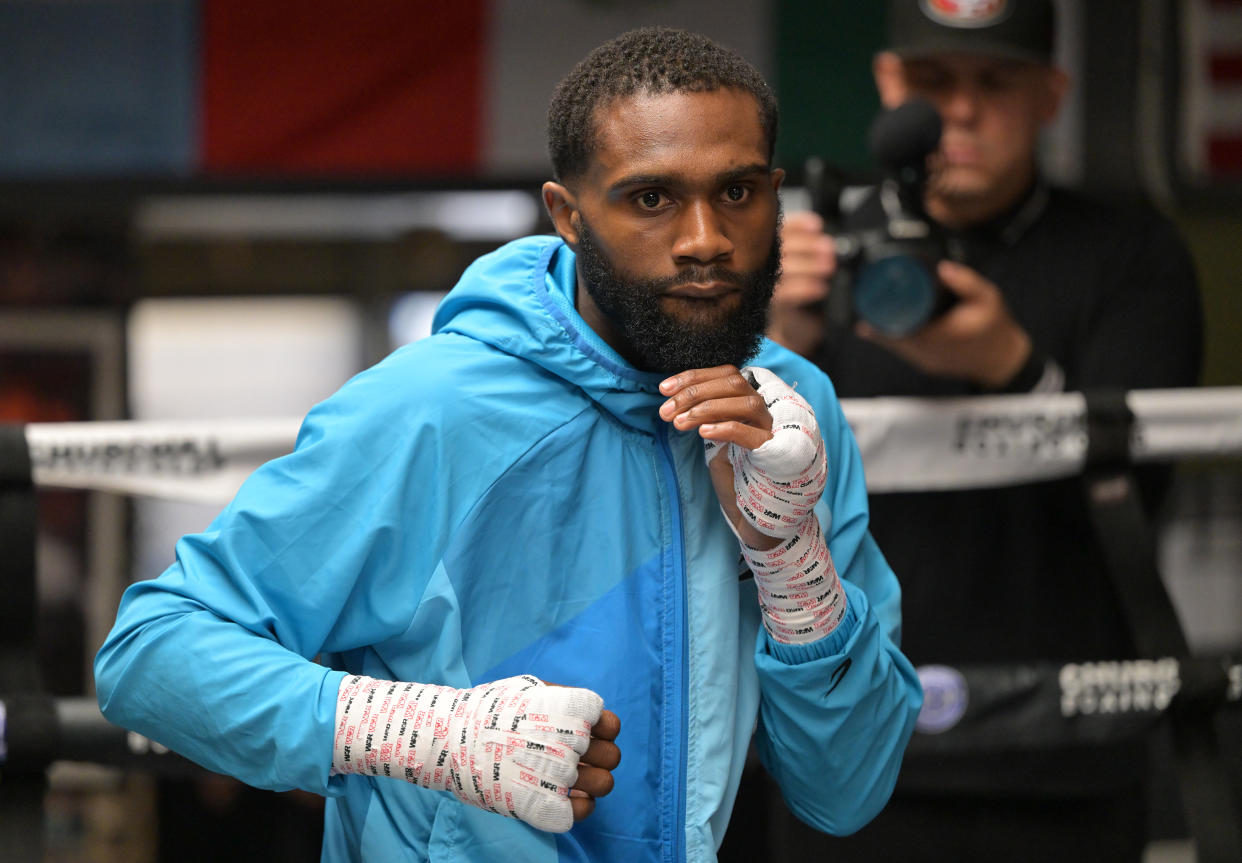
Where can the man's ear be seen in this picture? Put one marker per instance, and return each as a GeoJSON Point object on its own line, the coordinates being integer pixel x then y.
{"type": "Point", "coordinates": [890, 79]}
{"type": "Point", "coordinates": [562, 208]}
{"type": "Point", "coordinates": [1056, 86]}
{"type": "Point", "coordinates": [777, 176]}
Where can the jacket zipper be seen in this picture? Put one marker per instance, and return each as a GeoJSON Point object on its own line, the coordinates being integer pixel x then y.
{"type": "Point", "coordinates": [675, 677]}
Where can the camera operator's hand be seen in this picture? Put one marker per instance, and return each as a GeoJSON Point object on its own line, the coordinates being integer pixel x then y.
{"type": "Point", "coordinates": [977, 339]}
{"type": "Point", "coordinates": [808, 260]}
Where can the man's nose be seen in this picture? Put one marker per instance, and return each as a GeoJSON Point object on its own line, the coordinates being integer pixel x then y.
{"type": "Point", "coordinates": [960, 105]}
{"type": "Point", "coordinates": [700, 234]}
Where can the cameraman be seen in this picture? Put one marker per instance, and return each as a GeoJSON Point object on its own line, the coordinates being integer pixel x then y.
{"type": "Point", "coordinates": [1053, 292]}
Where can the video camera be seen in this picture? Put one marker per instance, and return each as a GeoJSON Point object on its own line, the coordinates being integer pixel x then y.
{"type": "Point", "coordinates": [886, 271]}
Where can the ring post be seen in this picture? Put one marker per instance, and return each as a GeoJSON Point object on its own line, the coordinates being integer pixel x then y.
{"type": "Point", "coordinates": [23, 761]}
{"type": "Point", "coordinates": [1130, 554]}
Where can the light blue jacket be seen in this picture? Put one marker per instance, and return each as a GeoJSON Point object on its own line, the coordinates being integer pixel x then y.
{"type": "Point", "coordinates": [502, 498]}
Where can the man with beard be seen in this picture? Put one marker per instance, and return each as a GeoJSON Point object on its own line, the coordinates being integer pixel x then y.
{"type": "Point", "coordinates": [1054, 291]}
{"type": "Point", "coordinates": [551, 489]}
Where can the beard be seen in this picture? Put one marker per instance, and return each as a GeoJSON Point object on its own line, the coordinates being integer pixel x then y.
{"type": "Point", "coordinates": [657, 341]}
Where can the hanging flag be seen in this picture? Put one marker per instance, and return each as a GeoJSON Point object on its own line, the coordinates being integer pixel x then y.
{"type": "Point", "coordinates": [320, 86]}
{"type": "Point", "coordinates": [1212, 90]}
{"type": "Point", "coordinates": [311, 88]}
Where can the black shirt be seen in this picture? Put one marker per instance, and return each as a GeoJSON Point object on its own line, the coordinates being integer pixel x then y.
{"type": "Point", "coordinates": [1015, 574]}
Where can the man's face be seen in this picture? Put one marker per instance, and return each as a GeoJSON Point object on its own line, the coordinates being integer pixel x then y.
{"type": "Point", "coordinates": [675, 226]}
{"type": "Point", "coordinates": [993, 111]}
{"type": "Point", "coordinates": [660, 338]}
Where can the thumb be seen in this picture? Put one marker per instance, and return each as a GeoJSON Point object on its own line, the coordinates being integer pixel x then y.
{"type": "Point", "coordinates": [962, 280]}
{"type": "Point", "coordinates": [803, 221]}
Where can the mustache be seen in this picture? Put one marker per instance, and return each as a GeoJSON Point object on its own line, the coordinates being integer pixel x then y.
{"type": "Point", "coordinates": [702, 275]}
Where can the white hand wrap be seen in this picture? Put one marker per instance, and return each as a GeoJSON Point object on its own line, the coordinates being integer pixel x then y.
{"type": "Point", "coordinates": [777, 487]}
{"type": "Point", "coordinates": [779, 483]}
{"type": "Point", "coordinates": [511, 747]}
{"type": "Point", "coordinates": [800, 594]}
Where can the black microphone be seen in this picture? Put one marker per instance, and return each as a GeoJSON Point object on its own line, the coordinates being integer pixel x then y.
{"type": "Point", "coordinates": [905, 135]}
{"type": "Point", "coordinates": [901, 139]}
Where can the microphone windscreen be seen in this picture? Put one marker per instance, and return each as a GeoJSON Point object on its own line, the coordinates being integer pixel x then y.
{"type": "Point", "coordinates": [905, 135]}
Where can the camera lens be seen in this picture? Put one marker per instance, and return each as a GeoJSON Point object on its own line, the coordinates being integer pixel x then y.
{"type": "Point", "coordinates": [895, 294]}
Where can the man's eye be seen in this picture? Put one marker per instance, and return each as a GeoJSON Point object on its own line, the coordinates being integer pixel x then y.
{"type": "Point", "coordinates": [736, 193]}
{"type": "Point", "coordinates": [929, 82]}
{"type": "Point", "coordinates": [998, 83]}
{"type": "Point", "coordinates": [650, 200]}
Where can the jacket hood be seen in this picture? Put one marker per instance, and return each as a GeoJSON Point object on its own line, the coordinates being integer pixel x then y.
{"type": "Point", "coordinates": [520, 300]}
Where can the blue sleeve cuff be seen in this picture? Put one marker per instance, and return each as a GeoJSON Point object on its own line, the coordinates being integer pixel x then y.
{"type": "Point", "coordinates": [831, 644]}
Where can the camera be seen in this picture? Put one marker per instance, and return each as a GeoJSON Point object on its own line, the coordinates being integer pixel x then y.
{"type": "Point", "coordinates": [887, 251]}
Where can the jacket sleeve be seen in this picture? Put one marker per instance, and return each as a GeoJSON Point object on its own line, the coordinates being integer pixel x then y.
{"type": "Point", "coordinates": [835, 715]}
{"type": "Point", "coordinates": [215, 658]}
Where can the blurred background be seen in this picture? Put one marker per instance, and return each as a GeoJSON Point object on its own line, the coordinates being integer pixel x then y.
{"type": "Point", "coordinates": [224, 208]}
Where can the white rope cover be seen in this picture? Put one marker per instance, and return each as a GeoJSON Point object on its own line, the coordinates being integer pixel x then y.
{"type": "Point", "coordinates": [912, 444]}
{"type": "Point", "coordinates": [196, 462]}
{"type": "Point", "coordinates": [907, 444]}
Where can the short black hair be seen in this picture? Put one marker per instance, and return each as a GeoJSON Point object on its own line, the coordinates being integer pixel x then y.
{"type": "Point", "coordinates": [647, 60]}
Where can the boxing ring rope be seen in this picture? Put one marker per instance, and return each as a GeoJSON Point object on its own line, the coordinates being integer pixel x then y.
{"type": "Point", "coordinates": [907, 444]}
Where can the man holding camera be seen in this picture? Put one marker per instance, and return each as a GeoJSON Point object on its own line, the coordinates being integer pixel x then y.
{"type": "Point", "coordinates": [1050, 292]}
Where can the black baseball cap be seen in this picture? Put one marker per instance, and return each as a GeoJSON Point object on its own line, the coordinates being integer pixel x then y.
{"type": "Point", "coordinates": [1012, 29]}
